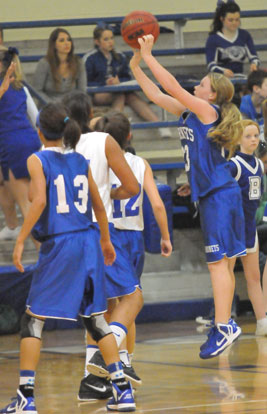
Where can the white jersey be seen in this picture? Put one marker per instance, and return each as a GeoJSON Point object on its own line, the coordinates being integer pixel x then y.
{"type": "Point", "coordinates": [128, 214]}
{"type": "Point", "coordinates": [92, 146]}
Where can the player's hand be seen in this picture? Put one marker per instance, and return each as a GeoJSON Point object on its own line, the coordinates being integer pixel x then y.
{"type": "Point", "coordinates": [8, 78]}
{"type": "Point", "coordinates": [108, 252]}
{"type": "Point", "coordinates": [229, 73]}
{"type": "Point", "coordinates": [146, 44]}
{"type": "Point", "coordinates": [166, 247]}
{"type": "Point", "coordinates": [253, 67]}
{"type": "Point", "coordinates": [17, 255]}
{"type": "Point", "coordinates": [184, 190]}
{"type": "Point", "coordinates": [136, 59]}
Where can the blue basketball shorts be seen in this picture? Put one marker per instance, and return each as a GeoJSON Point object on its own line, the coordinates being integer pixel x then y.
{"type": "Point", "coordinates": [123, 277]}
{"type": "Point", "coordinates": [69, 277]}
{"type": "Point", "coordinates": [223, 225]}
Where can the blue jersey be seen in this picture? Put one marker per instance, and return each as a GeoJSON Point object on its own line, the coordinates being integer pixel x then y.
{"type": "Point", "coordinates": [18, 139]}
{"type": "Point", "coordinates": [248, 110]}
{"type": "Point", "coordinates": [98, 68]}
{"type": "Point", "coordinates": [248, 171]}
{"type": "Point", "coordinates": [68, 207]}
{"type": "Point", "coordinates": [222, 53]}
{"type": "Point", "coordinates": [206, 167]}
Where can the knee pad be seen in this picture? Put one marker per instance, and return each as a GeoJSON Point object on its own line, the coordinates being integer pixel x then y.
{"type": "Point", "coordinates": [97, 327]}
{"type": "Point", "coordinates": [31, 327]}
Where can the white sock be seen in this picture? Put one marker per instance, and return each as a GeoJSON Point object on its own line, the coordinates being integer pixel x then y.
{"type": "Point", "coordinates": [124, 357]}
{"type": "Point", "coordinates": [130, 358]}
{"type": "Point", "coordinates": [119, 331]}
{"type": "Point", "coordinates": [90, 352]}
{"type": "Point", "coordinates": [262, 322]}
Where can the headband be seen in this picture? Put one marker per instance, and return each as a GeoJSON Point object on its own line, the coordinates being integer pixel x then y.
{"type": "Point", "coordinates": [48, 134]}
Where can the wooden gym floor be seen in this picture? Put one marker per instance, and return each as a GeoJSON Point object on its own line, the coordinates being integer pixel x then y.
{"type": "Point", "coordinates": [175, 379]}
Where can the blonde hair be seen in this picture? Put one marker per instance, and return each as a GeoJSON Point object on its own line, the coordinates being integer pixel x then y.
{"type": "Point", "coordinates": [229, 131]}
{"type": "Point", "coordinates": [247, 122]}
{"type": "Point", "coordinates": [8, 55]}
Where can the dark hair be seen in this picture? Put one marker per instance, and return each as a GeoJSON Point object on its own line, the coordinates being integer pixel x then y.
{"type": "Point", "coordinates": [98, 31]}
{"type": "Point", "coordinates": [79, 106]}
{"type": "Point", "coordinates": [117, 125]}
{"type": "Point", "coordinates": [262, 149]}
{"type": "Point", "coordinates": [256, 78]}
{"type": "Point", "coordinates": [221, 12]}
{"type": "Point", "coordinates": [54, 123]}
{"type": "Point", "coordinates": [53, 59]}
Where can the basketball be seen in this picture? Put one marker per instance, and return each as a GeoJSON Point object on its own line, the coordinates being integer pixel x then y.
{"type": "Point", "coordinates": [137, 24]}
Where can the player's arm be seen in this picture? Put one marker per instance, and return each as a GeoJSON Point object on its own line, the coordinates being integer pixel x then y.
{"type": "Point", "coordinates": [201, 108]}
{"type": "Point", "coordinates": [129, 185]}
{"type": "Point", "coordinates": [38, 198]}
{"type": "Point", "coordinates": [100, 213]}
{"type": "Point", "coordinates": [158, 210]}
{"type": "Point", "coordinates": [8, 78]}
{"type": "Point", "coordinates": [151, 90]}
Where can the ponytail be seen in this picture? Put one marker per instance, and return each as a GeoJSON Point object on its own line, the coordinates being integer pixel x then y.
{"type": "Point", "coordinates": [72, 134]}
{"type": "Point", "coordinates": [228, 132]}
{"type": "Point", "coordinates": [117, 125]}
{"type": "Point", "coordinates": [55, 124]}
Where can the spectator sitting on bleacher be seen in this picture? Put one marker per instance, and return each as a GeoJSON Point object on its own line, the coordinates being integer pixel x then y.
{"type": "Point", "coordinates": [105, 66]}
{"type": "Point", "coordinates": [60, 71]}
{"type": "Point", "coordinates": [227, 46]}
{"type": "Point", "coordinates": [251, 104]}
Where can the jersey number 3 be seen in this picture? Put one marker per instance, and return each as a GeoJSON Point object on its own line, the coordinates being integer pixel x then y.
{"type": "Point", "coordinates": [81, 205]}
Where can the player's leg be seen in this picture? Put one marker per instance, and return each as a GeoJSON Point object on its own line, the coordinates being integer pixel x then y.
{"type": "Point", "coordinates": [30, 346]}
{"type": "Point", "coordinates": [122, 392]}
{"type": "Point", "coordinates": [225, 330]}
{"type": "Point", "coordinates": [264, 286]}
{"type": "Point", "coordinates": [255, 294]}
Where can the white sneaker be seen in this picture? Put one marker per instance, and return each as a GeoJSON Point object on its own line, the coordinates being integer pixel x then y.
{"type": "Point", "coordinates": [9, 234]}
{"type": "Point", "coordinates": [165, 133]}
{"type": "Point", "coordinates": [261, 329]}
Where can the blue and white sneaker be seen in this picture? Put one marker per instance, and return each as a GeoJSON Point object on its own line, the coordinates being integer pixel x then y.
{"type": "Point", "coordinates": [20, 405]}
{"type": "Point", "coordinates": [121, 400]}
{"type": "Point", "coordinates": [231, 322]}
{"type": "Point", "coordinates": [219, 338]}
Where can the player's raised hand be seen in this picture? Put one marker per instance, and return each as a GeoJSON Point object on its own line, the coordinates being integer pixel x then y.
{"type": "Point", "coordinates": [136, 58]}
{"type": "Point", "coordinates": [8, 78]}
{"type": "Point", "coordinates": [146, 44]}
{"type": "Point", "coordinates": [108, 252]}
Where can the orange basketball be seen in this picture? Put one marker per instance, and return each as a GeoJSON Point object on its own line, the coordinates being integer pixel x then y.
{"type": "Point", "coordinates": [137, 24]}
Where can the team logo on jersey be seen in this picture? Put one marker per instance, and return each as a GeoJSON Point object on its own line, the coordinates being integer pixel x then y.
{"type": "Point", "coordinates": [212, 248]}
{"type": "Point", "coordinates": [234, 53]}
{"type": "Point", "coordinates": [186, 133]}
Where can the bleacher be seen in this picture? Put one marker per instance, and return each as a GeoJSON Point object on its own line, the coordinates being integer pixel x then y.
{"type": "Point", "coordinates": [183, 282]}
